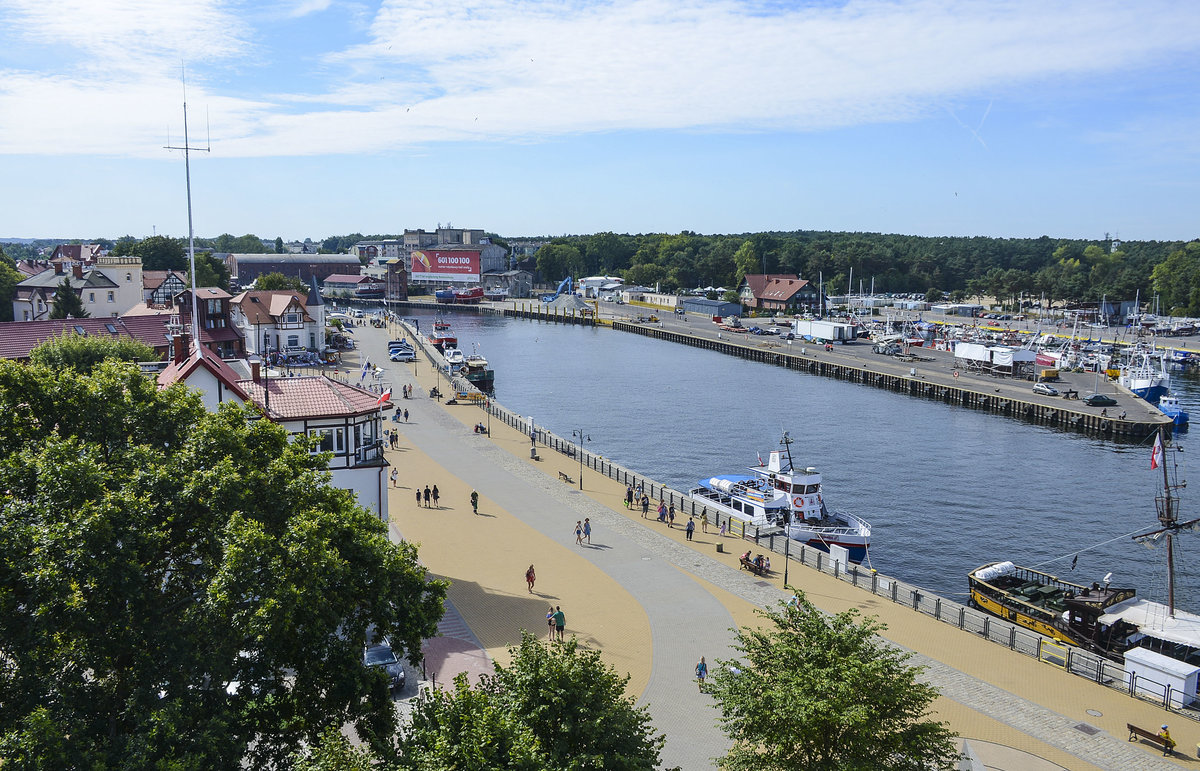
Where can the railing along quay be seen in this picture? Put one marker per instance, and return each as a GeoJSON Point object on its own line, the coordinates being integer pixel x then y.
{"type": "Point", "coordinates": [1071, 659]}
{"type": "Point", "coordinates": [963, 395]}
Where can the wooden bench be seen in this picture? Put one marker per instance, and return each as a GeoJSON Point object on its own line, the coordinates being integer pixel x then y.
{"type": "Point", "coordinates": [563, 476]}
{"type": "Point", "coordinates": [1150, 736]}
{"type": "Point", "coordinates": [748, 564]}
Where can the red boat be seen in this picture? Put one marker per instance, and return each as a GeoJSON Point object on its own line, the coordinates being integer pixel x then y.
{"type": "Point", "coordinates": [442, 342]}
{"type": "Point", "coordinates": [472, 295]}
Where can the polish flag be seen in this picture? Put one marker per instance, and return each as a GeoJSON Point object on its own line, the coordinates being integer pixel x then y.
{"type": "Point", "coordinates": [1156, 456]}
{"type": "Point", "coordinates": [759, 457]}
{"type": "Point", "coordinates": [386, 396]}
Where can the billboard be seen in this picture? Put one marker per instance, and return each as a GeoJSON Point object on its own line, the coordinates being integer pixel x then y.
{"type": "Point", "coordinates": [449, 266]}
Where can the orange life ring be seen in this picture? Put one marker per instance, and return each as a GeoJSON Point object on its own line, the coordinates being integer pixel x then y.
{"type": "Point", "coordinates": [798, 501]}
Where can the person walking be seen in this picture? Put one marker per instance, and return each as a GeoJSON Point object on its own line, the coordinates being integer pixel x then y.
{"type": "Point", "coordinates": [406, 416]}
{"type": "Point", "coordinates": [691, 527]}
{"type": "Point", "coordinates": [701, 671]}
{"type": "Point", "coordinates": [578, 533]}
{"type": "Point", "coordinates": [560, 622]}
{"type": "Point", "coordinates": [704, 521]}
{"type": "Point", "coordinates": [629, 497]}
{"type": "Point", "coordinates": [474, 501]}
{"type": "Point", "coordinates": [671, 517]}
{"type": "Point", "coordinates": [645, 507]}
{"type": "Point", "coordinates": [436, 505]}
{"type": "Point", "coordinates": [427, 496]}
{"type": "Point", "coordinates": [550, 622]}
{"type": "Point", "coordinates": [530, 577]}
{"type": "Point", "coordinates": [418, 496]}
{"type": "Point", "coordinates": [394, 475]}
{"type": "Point", "coordinates": [587, 530]}
{"type": "Point", "coordinates": [723, 527]}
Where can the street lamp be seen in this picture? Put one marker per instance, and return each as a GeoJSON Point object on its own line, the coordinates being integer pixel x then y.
{"type": "Point", "coordinates": [580, 439]}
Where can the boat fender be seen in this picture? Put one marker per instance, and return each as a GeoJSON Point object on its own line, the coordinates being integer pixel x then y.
{"type": "Point", "coordinates": [819, 499]}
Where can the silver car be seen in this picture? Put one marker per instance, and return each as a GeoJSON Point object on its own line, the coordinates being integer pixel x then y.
{"type": "Point", "coordinates": [1045, 389]}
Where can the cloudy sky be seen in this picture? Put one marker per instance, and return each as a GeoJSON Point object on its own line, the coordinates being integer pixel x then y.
{"type": "Point", "coordinates": [524, 117]}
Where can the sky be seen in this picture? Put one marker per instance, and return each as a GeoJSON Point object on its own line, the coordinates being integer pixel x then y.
{"type": "Point", "coordinates": [1013, 118]}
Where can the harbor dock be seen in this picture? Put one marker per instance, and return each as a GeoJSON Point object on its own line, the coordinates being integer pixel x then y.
{"type": "Point", "coordinates": [653, 602]}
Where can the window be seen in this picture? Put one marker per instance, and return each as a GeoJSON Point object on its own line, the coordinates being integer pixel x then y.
{"type": "Point", "coordinates": [312, 340]}
{"type": "Point", "coordinates": [293, 341]}
{"type": "Point", "coordinates": [291, 318]}
{"type": "Point", "coordinates": [91, 297]}
{"type": "Point", "coordinates": [213, 307]}
{"type": "Point", "coordinates": [112, 297]}
{"type": "Point", "coordinates": [332, 440]}
{"type": "Point", "coordinates": [129, 277]}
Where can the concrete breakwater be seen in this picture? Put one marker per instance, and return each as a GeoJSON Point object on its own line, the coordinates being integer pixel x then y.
{"type": "Point", "coordinates": [920, 384]}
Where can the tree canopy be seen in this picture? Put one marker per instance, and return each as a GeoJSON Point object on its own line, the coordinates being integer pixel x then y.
{"type": "Point", "coordinates": [211, 271]}
{"type": "Point", "coordinates": [276, 280]}
{"type": "Point", "coordinates": [157, 252]}
{"type": "Point", "coordinates": [817, 692]}
{"type": "Point", "coordinates": [182, 589]}
{"type": "Point", "coordinates": [82, 353]}
{"type": "Point", "coordinates": [67, 304]}
{"type": "Point", "coordinates": [9, 278]}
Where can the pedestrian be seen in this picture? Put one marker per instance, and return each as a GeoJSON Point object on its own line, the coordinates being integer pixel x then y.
{"type": "Point", "coordinates": [394, 475]}
{"type": "Point", "coordinates": [550, 622]}
{"type": "Point", "coordinates": [704, 521]}
{"type": "Point", "coordinates": [645, 507]}
{"type": "Point", "coordinates": [418, 496]}
{"type": "Point", "coordinates": [435, 498]}
{"type": "Point", "coordinates": [662, 512]}
{"type": "Point", "coordinates": [587, 530]}
{"type": "Point", "coordinates": [474, 501]}
{"type": "Point", "coordinates": [530, 577]}
{"type": "Point", "coordinates": [701, 671]}
{"type": "Point", "coordinates": [579, 532]}
{"type": "Point", "coordinates": [560, 621]}
{"type": "Point", "coordinates": [629, 496]}
{"type": "Point", "coordinates": [671, 517]}
{"type": "Point", "coordinates": [406, 416]}
{"type": "Point", "coordinates": [723, 524]}
{"type": "Point", "coordinates": [427, 496]}
{"type": "Point", "coordinates": [691, 527]}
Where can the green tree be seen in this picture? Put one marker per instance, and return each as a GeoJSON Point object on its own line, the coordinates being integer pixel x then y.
{"type": "Point", "coordinates": [746, 261]}
{"type": "Point", "coordinates": [269, 281]}
{"type": "Point", "coordinates": [1177, 280]}
{"type": "Point", "coordinates": [161, 253]}
{"type": "Point", "coordinates": [816, 692]}
{"type": "Point", "coordinates": [933, 295]}
{"type": "Point", "coordinates": [730, 296]}
{"type": "Point", "coordinates": [67, 304]}
{"type": "Point", "coordinates": [82, 353]}
{"type": "Point", "coordinates": [182, 589]}
{"type": "Point", "coordinates": [557, 261]}
{"type": "Point", "coordinates": [9, 278]}
{"type": "Point", "coordinates": [211, 271]}
{"type": "Point", "coordinates": [278, 244]}
{"type": "Point", "coordinates": [555, 706]}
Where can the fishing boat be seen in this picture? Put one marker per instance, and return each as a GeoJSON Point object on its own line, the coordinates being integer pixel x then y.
{"type": "Point", "coordinates": [1144, 371]}
{"type": "Point", "coordinates": [477, 371]}
{"type": "Point", "coordinates": [468, 296]}
{"type": "Point", "coordinates": [444, 295]}
{"type": "Point", "coordinates": [442, 341]}
{"type": "Point", "coordinates": [1168, 404]}
{"type": "Point", "coordinates": [496, 294]}
{"type": "Point", "coordinates": [1110, 621]}
{"type": "Point", "coordinates": [778, 495]}
{"type": "Point", "coordinates": [440, 324]}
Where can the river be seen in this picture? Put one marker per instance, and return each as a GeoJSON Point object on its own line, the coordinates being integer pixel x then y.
{"type": "Point", "coordinates": [945, 488]}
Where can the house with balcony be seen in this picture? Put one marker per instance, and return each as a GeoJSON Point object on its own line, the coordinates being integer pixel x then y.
{"type": "Point", "coordinates": [280, 321]}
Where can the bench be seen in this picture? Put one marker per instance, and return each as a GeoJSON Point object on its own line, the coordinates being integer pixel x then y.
{"type": "Point", "coordinates": [1070, 394]}
{"type": "Point", "coordinates": [748, 564]}
{"type": "Point", "coordinates": [1150, 736]}
{"type": "Point", "coordinates": [563, 476]}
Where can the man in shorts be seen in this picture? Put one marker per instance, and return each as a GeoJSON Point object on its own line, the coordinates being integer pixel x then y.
{"type": "Point", "coordinates": [560, 622]}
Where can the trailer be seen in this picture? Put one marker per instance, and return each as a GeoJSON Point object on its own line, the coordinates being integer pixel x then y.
{"type": "Point", "coordinates": [826, 331]}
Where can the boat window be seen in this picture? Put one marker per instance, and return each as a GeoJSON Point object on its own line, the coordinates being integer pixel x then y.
{"type": "Point", "coordinates": [812, 488]}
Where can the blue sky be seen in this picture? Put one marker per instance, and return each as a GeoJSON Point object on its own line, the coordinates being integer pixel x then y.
{"type": "Point", "coordinates": [527, 117]}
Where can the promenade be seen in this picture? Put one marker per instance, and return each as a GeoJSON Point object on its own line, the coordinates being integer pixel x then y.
{"type": "Point", "coordinates": [653, 603]}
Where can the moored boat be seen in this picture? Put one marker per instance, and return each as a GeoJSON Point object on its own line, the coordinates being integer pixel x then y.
{"type": "Point", "coordinates": [444, 295]}
{"type": "Point", "coordinates": [1144, 372]}
{"type": "Point", "coordinates": [468, 296]}
{"type": "Point", "coordinates": [1168, 404]}
{"type": "Point", "coordinates": [495, 294]}
{"type": "Point", "coordinates": [778, 495]}
{"type": "Point", "coordinates": [478, 373]}
{"type": "Point", "coordinates": [455, 358]}
{"type": "Point", "coordinates": [1110, 621]}
{"type": "Point", "coordinates": [442, 341]}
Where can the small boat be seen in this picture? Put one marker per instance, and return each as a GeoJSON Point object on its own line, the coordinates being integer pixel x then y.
{"type": "Point", "coordinates": [1144, 372]}
{"type": "Point", "coordinates": [477, 372]}
{"type": "Point", "coordinates": [495, 295]}
{"type": "Point", "coordinates": [468, 296]}
{"type": "Point", "coordinates": [444, 295]}
{"type": "Point", "coordinates": [778, 495]}
{"type": "Point", "coordinates": [455, 359]}
{"type": "Point", "coordinates": [1168, 404]}
{"type": "Point", "coordinates": [1110, 621]}
{"type": "Point", "coordinates": [442, 341]}
{"type": "Point", "coordinates": [441, 324]}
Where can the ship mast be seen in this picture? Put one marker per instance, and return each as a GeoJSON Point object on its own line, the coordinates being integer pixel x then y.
{"type": "Point", "coordinates": [1168, 514]}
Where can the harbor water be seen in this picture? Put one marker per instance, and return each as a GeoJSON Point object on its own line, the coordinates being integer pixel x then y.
{"type": "Point", "coordinates": [946, 488]}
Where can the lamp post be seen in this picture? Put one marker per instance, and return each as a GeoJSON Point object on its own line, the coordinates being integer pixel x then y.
{"type": "Point", "coordinates": [580, 439]}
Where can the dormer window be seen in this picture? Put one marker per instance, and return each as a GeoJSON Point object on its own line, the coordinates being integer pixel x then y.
{"type": "Point", "coordinates": [291, 318]}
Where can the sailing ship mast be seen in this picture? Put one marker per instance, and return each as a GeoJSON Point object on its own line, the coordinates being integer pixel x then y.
{"type": "Point", "coordinates": [1168, 514]}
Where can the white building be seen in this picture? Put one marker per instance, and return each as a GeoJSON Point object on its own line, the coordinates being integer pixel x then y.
{"type": "Point", "coordinates": [280, 320]}
{"type": "Point", "coordinates": [108, 288]}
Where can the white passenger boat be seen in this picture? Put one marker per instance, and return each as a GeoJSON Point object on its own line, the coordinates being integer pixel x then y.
{"type": "Point", "coordinates": [778, 495]}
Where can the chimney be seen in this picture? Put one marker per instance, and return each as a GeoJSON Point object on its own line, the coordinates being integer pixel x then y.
{"type": "Point", "coordinates": [77, 270]}
{"type": "Point", "coordinates": [256, 371]}
{"type": "Point", "coordinates": [58, 268]}
{"type": "Point", "coordinates": [180, 344]}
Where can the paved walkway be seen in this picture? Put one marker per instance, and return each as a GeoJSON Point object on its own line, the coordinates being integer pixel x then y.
{"type": "Point", "coordinates": [654, 603]}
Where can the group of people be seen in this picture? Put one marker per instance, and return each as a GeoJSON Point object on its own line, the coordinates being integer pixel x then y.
{"type": "Point", "coordinates": [428, 495]}
{"type": "Point", "coordinates": [406, 393]}
{"type": "Point", "coordinates": [480, 428]}
{"type": "Point", "coordinates": [759, 562]}
{"type": "Point", "coordinates": [583, 530]}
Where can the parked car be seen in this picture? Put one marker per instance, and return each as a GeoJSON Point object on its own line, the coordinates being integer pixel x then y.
{"type": "Point", "coordinates": [1045, 389]}
{"type": "Point", "coordinates": [773, 330]}
{"type": "Point", "coordinates": [402, 354]}
{"type": "Point", "coordinates": [380, 654]}
{"type": "Point", "coordinates": [1099, 400]}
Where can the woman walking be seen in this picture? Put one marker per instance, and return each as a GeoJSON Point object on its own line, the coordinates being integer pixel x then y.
{"type": "Point", "coordinates": [530, 577]}
{"type": "Point", "coordinates": [435, 498]}
{"type": "Point", "coordinates": [701, 671]}
{"type": "Point", "coordinates": [578, 532]}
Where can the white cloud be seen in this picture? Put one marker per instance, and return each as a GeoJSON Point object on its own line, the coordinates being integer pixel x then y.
{"type": "Point", "coordinates": [523, 69]}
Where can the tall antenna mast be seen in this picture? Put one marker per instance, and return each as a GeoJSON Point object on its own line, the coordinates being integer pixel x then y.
{"type": "Point", "coordinates": [187, 166]}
